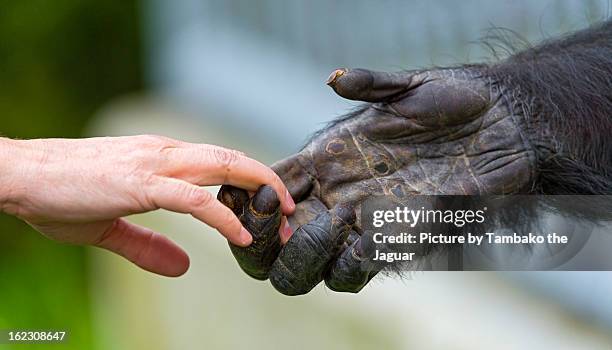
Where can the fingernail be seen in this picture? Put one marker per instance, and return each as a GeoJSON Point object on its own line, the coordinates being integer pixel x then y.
{"type": "Point", "coordinates": [335, 75]}
{"type": "Point", "coordinates": [285, 231]}
{"type": "Point", "coordinates": [289, 200]}
{"type": "Point", "coordinates": [265, 200]}
{"type": "Point", "coordinates": [245, 237]}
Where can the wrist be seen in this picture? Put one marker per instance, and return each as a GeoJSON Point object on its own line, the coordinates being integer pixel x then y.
{"type": "Point", "coordinates": [12, 164]}
{"type": "Point", "coordinates": [515, 84]}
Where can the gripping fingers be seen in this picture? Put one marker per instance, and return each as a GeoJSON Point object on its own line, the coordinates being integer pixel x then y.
{"type": "Point", "coordinates": [261, 216]}
{"type": "Point", "coordinates": [303, 260]}
{"type": "Point", "coordinates": [205, 165]}
{"type": "Point", "coordinates": [351, 271]}
{"type": "Point", "coordinates": [233, 198]}
{"type": "Point", "coordinates": [298, 180]}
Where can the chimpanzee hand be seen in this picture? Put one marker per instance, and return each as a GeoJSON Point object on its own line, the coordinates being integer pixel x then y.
{"type": "Point", "coordinates": [432, 132]}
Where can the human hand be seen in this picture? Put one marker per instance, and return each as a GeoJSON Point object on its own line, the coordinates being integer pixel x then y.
{"type": "Point", "coordinates": [78, 190]}
{"type": "Point", "coordinates": [447, 131]}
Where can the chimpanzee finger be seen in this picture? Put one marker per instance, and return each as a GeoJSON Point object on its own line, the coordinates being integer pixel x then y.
{"type": "Point", "coordinates": [351, 271]}
{"type": "Point", "coordinates": [369, 86]}
{"type": "Point", "coordinates": [234, 198]}
{"type": "Point", "coordinates": [295, 176]}
{"type": "Point", "coordinates": [306, 210]}
{"type": "Point", "coordinates": [303, 260]}
{"type": "Point", "coordinates": [261, 216]}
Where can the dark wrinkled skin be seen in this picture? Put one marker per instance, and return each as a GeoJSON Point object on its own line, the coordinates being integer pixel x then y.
{"type": "Point", "coordinates": [433, 132]}
{"type": "Point", "coordinates": [302, 263]}
{"type": "Point", "coordinates": [260, 215]}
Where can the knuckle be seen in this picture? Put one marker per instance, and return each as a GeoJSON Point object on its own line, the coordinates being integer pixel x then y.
{"type": "Point", "coordinates": [199, 198]}
{"type": "Point", "coordinates": [148, 144]}
{"type": "Point", "coordinates": [139, 174]}
{"type": "Point", "coordinates": [227, 219]}
{"type": "Point", "coordinates": [116, 229]}
{"type": "Point", "coordinates": [139, 254]}
{"type": "Point", "coordinates": [148, 182]}
{"type": "Point", "coordinates": [149, 151]}
{"type": "Point", "coordinates": [225, 158]}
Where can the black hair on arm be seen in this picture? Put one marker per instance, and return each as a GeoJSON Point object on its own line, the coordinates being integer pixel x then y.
{"type": "Point", "coordinates": [562, 89]}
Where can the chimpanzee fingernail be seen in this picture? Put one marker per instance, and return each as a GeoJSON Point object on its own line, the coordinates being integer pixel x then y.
{"type": "Point", "coordinates": [265, 200]}
{"type": "Point", "coordinates": [335, 75]}
{"type": "Point", "coordinates": [245, 237]}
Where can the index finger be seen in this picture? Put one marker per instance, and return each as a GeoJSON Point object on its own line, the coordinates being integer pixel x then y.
{"type": "Point", "coordinates": [203, 165]}
{"type": "Point", "coordinates": [182, 197]}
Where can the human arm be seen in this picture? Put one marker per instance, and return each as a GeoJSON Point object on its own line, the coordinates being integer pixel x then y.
{"type": "Point", "coordinates": [78, 191]}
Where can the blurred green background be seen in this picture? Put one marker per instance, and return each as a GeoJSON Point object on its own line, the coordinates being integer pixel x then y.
{"type": "Point", "coordinates": [221, 72]}
{"type": "Point", "coordinates": [59, 62]}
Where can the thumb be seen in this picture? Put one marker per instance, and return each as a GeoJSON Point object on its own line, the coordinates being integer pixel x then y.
{"type": "Point", "coordinates": [145, 248]}
{"type": "Point", "coordinates": [370, 86]}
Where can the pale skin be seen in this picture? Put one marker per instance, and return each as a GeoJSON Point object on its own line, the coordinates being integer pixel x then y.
{"type": "Point", "coordinates": [78, 191]}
